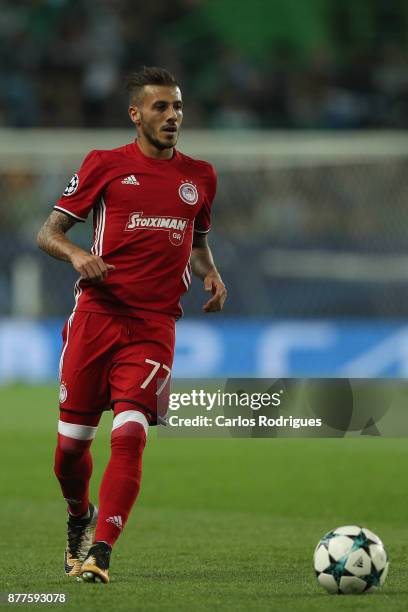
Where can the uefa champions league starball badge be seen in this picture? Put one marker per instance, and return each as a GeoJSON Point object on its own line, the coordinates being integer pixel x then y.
{"type": "Point", "coordinates": [72, 186]}
{"type": "Point", "coordinates": [188, 193]}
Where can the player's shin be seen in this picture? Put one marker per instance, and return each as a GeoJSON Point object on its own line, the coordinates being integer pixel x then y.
{"type": "Point", "coordinates": [121, 481]}
{"type": "Point", "coordinates": [73, 468]}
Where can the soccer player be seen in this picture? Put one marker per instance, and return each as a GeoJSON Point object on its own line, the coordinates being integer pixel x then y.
{"type": "Point", "coordinates": [151, 210]}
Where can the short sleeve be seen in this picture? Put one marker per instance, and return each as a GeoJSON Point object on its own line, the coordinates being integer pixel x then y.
{"type": "Point", "coordinates": [202, 223]}
{"type": "Point", "coordinates": [84, 188]}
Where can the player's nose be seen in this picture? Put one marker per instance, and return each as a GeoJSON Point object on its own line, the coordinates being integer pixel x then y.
{"type": "Point", "coordinates": [172, 115]}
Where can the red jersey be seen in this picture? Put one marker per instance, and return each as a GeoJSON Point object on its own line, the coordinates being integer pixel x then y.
{"type": "Point", "coordinates": [144, 213]}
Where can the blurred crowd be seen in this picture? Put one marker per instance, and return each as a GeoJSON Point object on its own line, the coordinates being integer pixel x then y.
{"type": "Point", "coordinates": [63, 63]}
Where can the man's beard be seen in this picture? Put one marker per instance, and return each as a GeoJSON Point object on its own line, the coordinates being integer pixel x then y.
{"type": "Point", "coordinates": [148, 134]}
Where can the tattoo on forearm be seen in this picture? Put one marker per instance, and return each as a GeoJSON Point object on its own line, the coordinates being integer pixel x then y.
{"type": "Point", "coordinates": [51, 237]}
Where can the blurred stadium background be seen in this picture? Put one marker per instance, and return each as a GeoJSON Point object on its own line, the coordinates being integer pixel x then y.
{"type": "Point", "coordinates": [302, 107]}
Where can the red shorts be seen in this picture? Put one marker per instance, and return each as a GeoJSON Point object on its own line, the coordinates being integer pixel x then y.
{"type": "Point", "coordinates": [108, 360]}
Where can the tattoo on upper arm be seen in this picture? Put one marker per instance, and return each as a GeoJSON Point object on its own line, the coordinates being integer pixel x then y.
{"type": "Point", "coordinates": [58, 222]}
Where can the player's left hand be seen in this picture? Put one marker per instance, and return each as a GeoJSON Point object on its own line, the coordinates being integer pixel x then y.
{"type": "Point", "coordinates": [214, 284]}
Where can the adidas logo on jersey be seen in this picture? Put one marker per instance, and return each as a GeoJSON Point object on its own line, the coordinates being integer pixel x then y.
{"type": "Point", "coordinates": [116, 520]}
{"type": "Point", "coordinates": [130, 180]}
{"type": "Point", "coordinates": [176, 226]}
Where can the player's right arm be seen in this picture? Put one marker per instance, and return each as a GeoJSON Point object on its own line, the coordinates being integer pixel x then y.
{"type": "Point", "coordinates": [52, 239]}
{"type": "Point", "coordinates": [74, 205]}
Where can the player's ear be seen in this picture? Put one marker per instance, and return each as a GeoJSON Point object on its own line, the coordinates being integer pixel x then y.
{"type": "Point", "coordinates": [134, 114]}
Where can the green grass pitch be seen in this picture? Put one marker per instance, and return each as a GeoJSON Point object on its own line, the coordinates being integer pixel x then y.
{"type": "Point", "coordinates": [220, 524]}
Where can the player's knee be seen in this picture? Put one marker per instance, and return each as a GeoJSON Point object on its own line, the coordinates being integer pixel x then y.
{"type": "Point", "coordinates": [74, 440]}
{"type": "Point", "coordinates": [129, 430]}
{"type": "Point", "coordinates": [69, 454]}
{"type": "Point", "coordinates": [69, 447]}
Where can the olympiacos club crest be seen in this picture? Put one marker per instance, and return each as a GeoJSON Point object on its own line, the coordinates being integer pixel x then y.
{"type": "Point", "coordinates": [188, 193]}
{"type": "Point", "coordinates": [63, 393]}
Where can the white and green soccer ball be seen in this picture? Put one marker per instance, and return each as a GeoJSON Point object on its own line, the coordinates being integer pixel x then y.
{"type": "Point", "coordinates": [349, 560]}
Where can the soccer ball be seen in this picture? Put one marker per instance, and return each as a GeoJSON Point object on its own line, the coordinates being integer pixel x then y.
{"type": "Point", "coordinates": [350, 560]}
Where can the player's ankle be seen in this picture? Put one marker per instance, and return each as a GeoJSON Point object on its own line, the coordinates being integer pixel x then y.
{"type": "Point", "coordinates": [102, 542]}
{"type": "Point", "coordinates": [84, 515]}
